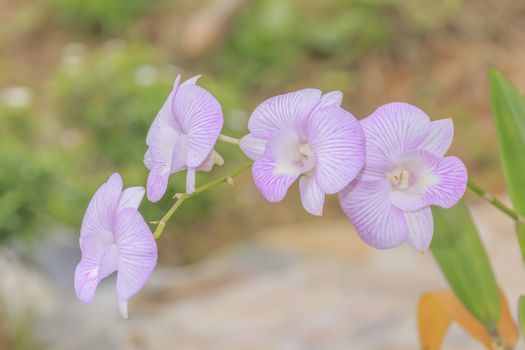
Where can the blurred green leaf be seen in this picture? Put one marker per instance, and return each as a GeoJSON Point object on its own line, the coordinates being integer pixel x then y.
{"type": "Point", "coordinates": [461, 256]}
{"type": "Point", "coordinates": [520, 231]}
{"type": "Point", "coordinates": [508, 107]}
{"type": "Point", "coordinates": [521, 313]}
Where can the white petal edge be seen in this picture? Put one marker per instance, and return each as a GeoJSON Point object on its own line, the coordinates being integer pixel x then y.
{"type": "Point", "coordinates": [440, 137]}
{"type": "Point", "coordinates": [148, 161]}
{"type": "Point", "coordinates": [123, 308]}
{"type": "Point", "coordinates": [164, 117]}
{"type": "Point", "coordinates": [332, 98]}
{"type": "Point", "coordinates": [252, 146]}
{"type": "Point", "coordinates": [131, 197]}
{"type": "Point", "coordinates": [190, 181]}
{"type": "Point", "coordinates": [420, 225]}
{"type": "Point", "coordinates": [312, 196]}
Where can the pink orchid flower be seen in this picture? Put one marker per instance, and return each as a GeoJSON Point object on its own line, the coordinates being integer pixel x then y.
{"type": "Point", "coordinates": [182, 137]}
{"type": "Point", "coordinates": [115, 237]}
{"type": "Point", "coordinates": [304, 135]}
{"type": "Point", "coordinates": [405, 173]}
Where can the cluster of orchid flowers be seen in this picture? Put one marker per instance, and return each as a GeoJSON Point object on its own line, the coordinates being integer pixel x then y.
{"type": "Point", "coordinates": [388, 169]}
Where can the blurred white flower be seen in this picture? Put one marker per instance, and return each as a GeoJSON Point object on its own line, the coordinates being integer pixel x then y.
{"type": "Point", "coordinates": [17, 96]}
{"type": "Point", "coordinates": [146, 75]}
{"type": "Point", "coordinates": [73, 58]}
{"type": "Point", "coordinates": [115, 45]}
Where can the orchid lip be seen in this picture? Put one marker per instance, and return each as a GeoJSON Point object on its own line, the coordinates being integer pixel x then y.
{"type": "Point", "coordinates": [308, 160]}
{"type": "Point", "coordinates": [399, 178]}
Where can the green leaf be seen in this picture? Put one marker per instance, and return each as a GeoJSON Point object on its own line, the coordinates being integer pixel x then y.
{"type": "Point", "coordinates": [461, 256]}
{"type": "Point", "coordinates": [508, 107]}
{"type": "Point", "coordinates": [521, 313]}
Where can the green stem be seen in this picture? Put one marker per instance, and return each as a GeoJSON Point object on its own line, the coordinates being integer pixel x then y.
{"type": "Point", "coordinates": [229, 139]}
{"type": "Point", "coordinates": [181, 197]}
{"type": "Point", "coordinates": [494, 201]}
{"type": "Point", "coordinates": [520, 220]}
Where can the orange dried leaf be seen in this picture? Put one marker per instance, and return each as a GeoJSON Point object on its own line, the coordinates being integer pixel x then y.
{"type": "Point", "coordinates": [438, 309]}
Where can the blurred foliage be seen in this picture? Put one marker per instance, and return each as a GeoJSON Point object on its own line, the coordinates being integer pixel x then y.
{"type": "Point", "coordinates": [276, 40]}
{"type": "Point", "coordinates": [101, 16]}
{"type": "Point", "coordinates": [112, 94]}
{"type": "Point", "coordinates": [460, 253]}
{"type": "Point", "coordinates": [25, 174]}
{"type": "Point", "coordinates": [521, 313]}
{"type": "Point", "coordinates": [94, 103]}
{"type": "Point", "coordinates": [271, 37]}
{"type": "Point", "coordinates": [108, 99]}
{"type": "Point", "coordinates": [508, 108]}
{"type": "Point", "coordinates": [15, 334]}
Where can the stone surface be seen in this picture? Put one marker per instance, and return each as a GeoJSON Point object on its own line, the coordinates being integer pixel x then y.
{"type": "Point", "coordinates": [312, 286]}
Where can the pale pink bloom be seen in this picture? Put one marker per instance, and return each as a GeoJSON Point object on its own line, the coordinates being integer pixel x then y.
{"type": "Point", "coordinates": [405, 173]}
{"type": "Point", "coordinates": [115, 237]}
{"type": "Point", "coordinates": [304, 135]}
{"type": "Point", "coordinates": [182, 137]}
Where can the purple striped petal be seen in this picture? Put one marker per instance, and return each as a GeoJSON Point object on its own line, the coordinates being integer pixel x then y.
{"type": "Point", "coordinates": [330, 99]}
{"type": "Point", "coordinates": [252, 146]}
{"type": "Point", "coordinates": [179, 154]}
{"type": "Point", "coordinates": [338, 142]}
{"type": "Point", "coordinates": [161, 154]}
{"type": "Point", "coordinates": [101, 209]}
{"type": "Point", "coordinates": [283, 112]}
{"type": "Point", "coordinates": [276, 170]}
{"type": "Point", "coordinates": [157, 185]}
{"type": "Point", "coordinates": [165, 117]}
{"type": "Point", "coordinates": [420, 226]}
{"type": "Point", "coordinates": [377, 222]}
{"type": "Point", "coordinates": [99, 260]}
{"type": "Point", "coordinates": [161, 148]}
{"type": "Point", "coordinates": [131, 197]}
{"type": "Point", "coordinates": [392, 130]}
{"type": "Point", "coordinates": [453, 182]}
{"type": "Point", "coordinates": [137, 252]}
{"type": "Point", "coordinates": [312, 196]}
{"type": "Point", "coordinates": [199, 115]}
{"type": "Point", "coordinates": [439, 139]}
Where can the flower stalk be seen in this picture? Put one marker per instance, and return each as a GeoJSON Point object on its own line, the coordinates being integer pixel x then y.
{"type": "Point", "coordinates": [229, 139]}
{"type": "Point", "coordinates": [474, 187]}
{"type": "Point", "coordinates": [181, 197]}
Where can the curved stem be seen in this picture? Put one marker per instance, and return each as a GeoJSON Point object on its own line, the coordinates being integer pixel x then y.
{"type": "Point", "coordinates": [495, 201]}
{"type": "Point", "coordinates": [229, 139]}
{"type": "Point", "coordinates": [181, 197]}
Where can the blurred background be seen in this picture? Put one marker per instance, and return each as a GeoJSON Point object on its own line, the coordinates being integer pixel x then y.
{"type": "Point", "coordinates": [80, 83]}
